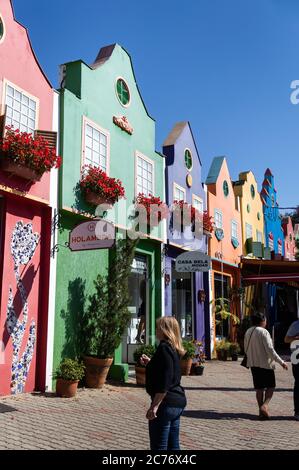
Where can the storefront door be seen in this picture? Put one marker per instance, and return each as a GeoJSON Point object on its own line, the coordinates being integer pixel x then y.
{"type": "Point", "coordinates": [182, 301]}
{"type": "Point", "coordinates": [137, 332]}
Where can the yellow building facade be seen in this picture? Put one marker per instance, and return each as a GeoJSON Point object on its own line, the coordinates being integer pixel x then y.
{"type": "Point", "coordinates": [251, 209]}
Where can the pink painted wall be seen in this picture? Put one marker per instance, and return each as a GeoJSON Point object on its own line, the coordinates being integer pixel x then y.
{"type": "Point", "coordinates": [289, 239]}
{"type": "Point", "coordinates": [19, 66]}
{"type": "Point", "coordinates": [217, 200]}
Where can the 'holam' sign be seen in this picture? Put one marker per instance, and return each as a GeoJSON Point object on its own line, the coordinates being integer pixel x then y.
{"type": "Point", "coordinates": [92, 235]}
{"type": "Point", "coordinates": [192, 261]}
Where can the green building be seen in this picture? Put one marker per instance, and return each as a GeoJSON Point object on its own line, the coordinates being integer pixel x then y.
{"type": "Point", "coordinates": [104, 122]}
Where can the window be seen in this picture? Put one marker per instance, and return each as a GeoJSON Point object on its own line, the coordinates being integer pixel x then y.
{"type": "Point", "coordinates": [258, 216]}
{"type": "Point", "coordinates": [218, 218]}
{"type": "Point", "coordinates": [188, 159]}
{"type": "Point", "coordinates": [123, 92]}
{"type": "Point", "coordinates": [252, 191]}
{"type": "Point", "coordinates": [197, 203]}
{"type": "Point", "coordinates": [248, 231]}
{"type": "Point", "coordinates": [21, 110]}
{"type": "Point", "coordinates": [179, 194]}
{"type": "Point", "coordinates": [248, 208]}
{"type": "Point", "coordinates": [96, 146]}
{"type": "Point", "coordinates": [225, 188]}
{"type": "Point", "coordinates": [145, 176]}
{"type": "Point", "coordinates": [234, 229]}
{"type": "Point", "coordinates": [259, 236]}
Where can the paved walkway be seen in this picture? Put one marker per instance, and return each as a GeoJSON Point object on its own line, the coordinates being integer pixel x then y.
{"type": "Point", "coordinates": [221, 414]}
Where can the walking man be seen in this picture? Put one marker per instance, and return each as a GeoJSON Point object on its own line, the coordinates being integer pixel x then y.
{"type": "Point", "coordinates": [292, 338]}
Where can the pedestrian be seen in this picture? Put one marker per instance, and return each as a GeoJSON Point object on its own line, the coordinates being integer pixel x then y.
{"type": "Point", "coordinates": [261, 357]}
{"type": "Point", "coordinates": [163, 377]}
{"type": "Point", "coordinates": [293, 335]}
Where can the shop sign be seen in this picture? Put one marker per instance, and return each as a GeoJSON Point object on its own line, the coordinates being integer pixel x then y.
{"type": "Point", "coordinates": [92, 235]}
{"type": "Point", "coordinates": [192, 261]}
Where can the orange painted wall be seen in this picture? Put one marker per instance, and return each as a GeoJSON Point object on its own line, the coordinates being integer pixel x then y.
{"type": "Point", "coordinates": [227, 205]}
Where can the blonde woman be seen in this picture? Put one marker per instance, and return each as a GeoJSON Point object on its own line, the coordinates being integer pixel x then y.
{"type": "Point", "coordinates": [163, 377]}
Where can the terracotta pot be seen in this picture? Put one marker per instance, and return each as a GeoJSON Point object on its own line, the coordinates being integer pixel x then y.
{"type": "Point", "coordinates": [96, 371]}
{"type": "Point", "coordinates": [22, 171]}
{"type": "Point", "coordinates": [95, 200]}
{"type": "Point", "coordinates": [186, 365]}
{"type": "Point", "coordinates": [66, 388]}
{"type": "Point", "coordinates": [140, 375]}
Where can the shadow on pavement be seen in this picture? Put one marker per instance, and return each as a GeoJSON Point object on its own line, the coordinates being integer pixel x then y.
{"type": "Point", "coordinates": [233, 389]}
{"type": "Point", "coordinates": [6, 408]}
{"type": "Point", "coordinates": [210, 414]}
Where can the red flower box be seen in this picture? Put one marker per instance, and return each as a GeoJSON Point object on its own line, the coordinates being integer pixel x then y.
{"type": "Point", "coordinates": [98, 188]}
{"type": "Point", "coordinates": [27, 156]}
{"type": "Point", "coordinates": [153, 206]}
{"type": "Point", "coordinates": [190, 214]}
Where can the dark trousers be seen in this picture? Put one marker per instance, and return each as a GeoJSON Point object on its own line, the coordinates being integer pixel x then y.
{"type": "Point", "coordinates": [165, 429]}
{"type": "Point", "coordinates": [296, 387]}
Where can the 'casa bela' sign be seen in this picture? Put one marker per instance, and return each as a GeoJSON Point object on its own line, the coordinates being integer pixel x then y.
{"type": "Point", "coordinates": [92, 235]}
{"type": "Point", "coordinates": [192, 261]}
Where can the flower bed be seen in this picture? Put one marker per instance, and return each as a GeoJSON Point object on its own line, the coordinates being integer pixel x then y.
{"type": "Point", "coordinates": [27, 156]}
{"type": "Point", "coordinates": [155, 209]}
{"type": "Point", "coordinates": [99, 188]}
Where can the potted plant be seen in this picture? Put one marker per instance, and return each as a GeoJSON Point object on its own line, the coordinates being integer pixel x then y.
{"type": "Point", "coordinates": [149, 351]}
{"type": "Point", "coordinates": [222, 349]}
{"type": "Point", "coordinates": [187, 359]}
{"type": "Point", "coordinates": [234, 350]}
{"type": "Point", "coordinates": [107, 316]}
{"type": "Point", "coordinates": [27, 156]}
{"type": "Point", "coordinates": [98, 188]}
{"type": "Point", "coordinates": [67, 375]}
{"type": "Point", "coordinates": [199, 360]}
{"type": "Point", "coordinates": [151, 209]}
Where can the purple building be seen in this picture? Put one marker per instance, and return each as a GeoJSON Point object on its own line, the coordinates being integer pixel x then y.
{"type": "Point", "coordinates": [185, 292]}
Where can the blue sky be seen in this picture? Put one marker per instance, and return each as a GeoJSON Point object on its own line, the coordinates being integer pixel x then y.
{"type": "Point", "coordinates": [224, 65]}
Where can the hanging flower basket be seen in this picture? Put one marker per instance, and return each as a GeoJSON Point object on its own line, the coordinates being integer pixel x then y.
{"type": "Point", "coordinates": [151, 210]}
{"type": "Point", "coordinates": [26, 156]}
{"type": "Point", "coordinates": [98, 188]}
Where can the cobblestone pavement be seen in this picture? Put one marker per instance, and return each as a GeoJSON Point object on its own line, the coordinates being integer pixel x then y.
{"type": "Point", "coordinates": [221, 414]}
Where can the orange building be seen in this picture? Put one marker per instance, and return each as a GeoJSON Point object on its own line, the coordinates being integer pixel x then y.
{"type": "Point", "coordinates": [225, 248]}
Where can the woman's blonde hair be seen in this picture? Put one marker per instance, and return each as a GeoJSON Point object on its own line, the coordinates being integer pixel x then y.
{"type": "Point", "coordinates": [171, 332]}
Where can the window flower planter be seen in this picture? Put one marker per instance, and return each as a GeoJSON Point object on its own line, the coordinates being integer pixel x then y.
{"type": "Point", "coordinates": [26, 156]}
{"type": "Point", "coordinates": [155, 210]}
{"type": "Point", "coordinates": [98, 188]}
{"type": "Point", "coordinates": [9, 166]}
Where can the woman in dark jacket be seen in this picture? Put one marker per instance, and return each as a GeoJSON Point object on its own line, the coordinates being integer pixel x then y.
{"type": "Point", "coordinates": [163, 377]}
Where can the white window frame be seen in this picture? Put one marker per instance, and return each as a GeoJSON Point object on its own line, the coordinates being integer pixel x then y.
{"type": "Point", "coordinates": [219, 212]}
{"type": "Point", "coordinates": [198, 199]}
{"type": "Point", "coordinates": [151, 162]}
{"type": "Point", "coordinates": [180, 188]}
{"type": "Point", "coordinates": [235, 235]}
{"type": "Point", "coordinates": [87, 121]}
{"type": "Point", "coordinates": [246, 230]}
{"type": "Point", "coordinates": [7, 83]}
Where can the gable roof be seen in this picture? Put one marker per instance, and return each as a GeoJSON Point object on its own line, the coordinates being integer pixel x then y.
{"type": "Point", "coordinates": [175, 133]}
{"type": "Point", "coordinates": [215, 169]}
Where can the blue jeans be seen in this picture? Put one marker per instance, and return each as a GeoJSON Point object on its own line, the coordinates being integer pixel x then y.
{"type": "Point", "coordinates": [165, 429]}
{"type": "Point", "coordinates": [296, 388]}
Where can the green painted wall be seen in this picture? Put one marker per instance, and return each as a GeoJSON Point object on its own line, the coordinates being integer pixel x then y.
{"type": "Point", "coordinates": [91, 93]}
{"type": "Point", "coordinates": [76, 272]}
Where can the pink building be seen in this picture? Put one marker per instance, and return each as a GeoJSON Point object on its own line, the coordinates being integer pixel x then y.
{"type": "Point", "coordinates": [289, 238]}
{"type": "Point", "coordinates": [27, 103]}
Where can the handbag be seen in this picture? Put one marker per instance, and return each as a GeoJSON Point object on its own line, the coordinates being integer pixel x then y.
{"type": "Point", "coordinates": [244, 360]}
